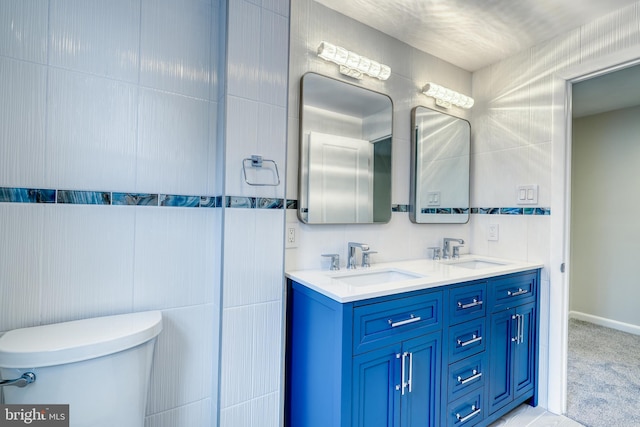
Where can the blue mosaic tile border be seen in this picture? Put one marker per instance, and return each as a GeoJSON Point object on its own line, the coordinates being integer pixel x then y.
{"type": "Point", "coordinates": [27, 195]}
{"type": "Point", "coordinates": [254, 202]}
{"type": "Point", "coordinates": [445, 211]}
{"type": "Point", "coordinates": [77, 197]}
{"type": "Point", "coordinates": [511, 211]}
{"type": "Point", "coordinates": [292, 204]}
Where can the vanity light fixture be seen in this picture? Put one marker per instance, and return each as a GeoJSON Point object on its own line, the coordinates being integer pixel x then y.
{"type": "Point", "coordinates": [351, 64]}
{"type": "Point", "coordinates": [446, 97]}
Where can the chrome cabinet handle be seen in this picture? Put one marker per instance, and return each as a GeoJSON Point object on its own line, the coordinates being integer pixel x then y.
{"type": "Point", "coordinates": [474, 411]}
{"type": "Point", "coordinates": [519, 338]}
{"type": "Point", "coordinates": [26, 379]}
{"type": "Point", "coordinates": [475, 375]}
{"type": "Point", "coordinates": [521, 329]}
{"type": "Point", "coordinates": [519, 292]}
{"type": "Point", "coordinates": [472, 304]}
{"type": "Point", "coordinates": [471, 341]}
{"type": "Point", "coordinates": [411, 319]}
{"type": "Point", "coordinates": [402, 374]}
{"type": "Point", "coordinates": [410, 371]}
{"type": "Point", "coordinates": [398, 386]}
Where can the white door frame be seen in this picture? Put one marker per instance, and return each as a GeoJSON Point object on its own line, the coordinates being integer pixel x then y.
{"type": "Point", "coordinates": [560, 213]}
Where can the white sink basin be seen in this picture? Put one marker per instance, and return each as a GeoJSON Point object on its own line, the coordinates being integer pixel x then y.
{"type": "Point", "coordinates": [475, 264]}
{"type": "Point", "coordinates": [377, 277]}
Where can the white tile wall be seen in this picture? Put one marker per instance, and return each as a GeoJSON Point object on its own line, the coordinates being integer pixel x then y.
{"type": "Point", "coordinates": [91, 132]}
{"type": "Point", "coordinates": [257, 94]}
{"type": "Point", "coordinates": [173, 143]}
{"type": "Point", "coordinates": [182, 370]}
{"type": "Point", "coordinates": [20, 287]}
{"type": "Point", "coordinates": [255, 123]}
{"type": "Point", "coordinates": [171, 258]}
{"type": "Point", "coordinates": [194, 414]}
{"type": "Point", "coordinates": [116, 96]}
{"type": "Point", "coordinates": [87, 262]}
{"type": "Point", "coordinates": [23, 29]}
{"type": "Point", "coordinates": [173, 59]}
{"type": "Point", "coordinates": [22, 120]}
{"type": "Point", "coordinates": [96, 37]}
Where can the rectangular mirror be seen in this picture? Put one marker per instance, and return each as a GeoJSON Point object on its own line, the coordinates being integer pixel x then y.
{"type": "Point", "coordinates": [345, 153]}
{"type": "Point", "coordinates": [439, 167]}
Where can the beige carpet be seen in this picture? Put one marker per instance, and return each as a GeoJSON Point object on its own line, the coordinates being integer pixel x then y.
{"type": "Point", "coordinates": [603, 376]}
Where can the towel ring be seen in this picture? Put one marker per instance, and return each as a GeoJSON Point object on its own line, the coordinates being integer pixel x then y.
{"type": "Point", "coordinates": [256, 161]}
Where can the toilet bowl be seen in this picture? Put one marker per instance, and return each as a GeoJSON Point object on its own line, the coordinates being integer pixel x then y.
{"type": "Point", "coordinates": [100, 367]}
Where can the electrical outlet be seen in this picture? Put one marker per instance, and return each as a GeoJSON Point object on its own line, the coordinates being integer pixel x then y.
{"type": "Point", "coordinates": [291, 235]}
{"type": "Point", "coordinates": [492, 232]}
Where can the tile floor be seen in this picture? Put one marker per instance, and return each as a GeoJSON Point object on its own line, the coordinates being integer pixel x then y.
{"type": "Point", "coordinates": [528, 416]}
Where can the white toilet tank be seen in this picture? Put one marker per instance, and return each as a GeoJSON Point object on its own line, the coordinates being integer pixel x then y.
{"type": "Point", "coordinates": [100, 367]}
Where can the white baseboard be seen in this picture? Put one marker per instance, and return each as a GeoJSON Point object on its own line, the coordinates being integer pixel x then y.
{"type": "Point", "coordinates": [613, 324]}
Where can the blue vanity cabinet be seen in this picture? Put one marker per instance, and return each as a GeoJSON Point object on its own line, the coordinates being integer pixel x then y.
{"type": "Point", "coordinates": [367, 363]}
{"type": "Point", "coordinates": [513, 344]}
{"type": "Point", "coordinates": [457, 355]}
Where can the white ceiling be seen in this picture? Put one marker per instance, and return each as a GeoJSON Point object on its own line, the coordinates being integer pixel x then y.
{"type": "Point", "coordinates": [474, 33]}
{"type": "Point", "coordinates": [613, 91]}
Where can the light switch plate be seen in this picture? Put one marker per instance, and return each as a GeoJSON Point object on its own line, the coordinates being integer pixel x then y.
{"type": "Point", "coordinates": [527, 195]}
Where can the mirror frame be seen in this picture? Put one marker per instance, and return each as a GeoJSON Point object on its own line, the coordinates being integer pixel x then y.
{"type": "Point", "coordinates": [303, 163]}
{"type": "Point", "coordinates": [452, 217]}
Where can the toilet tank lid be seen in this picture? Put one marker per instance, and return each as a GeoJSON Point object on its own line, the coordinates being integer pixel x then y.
{"type": "Point", "coordinates": [78, 340]}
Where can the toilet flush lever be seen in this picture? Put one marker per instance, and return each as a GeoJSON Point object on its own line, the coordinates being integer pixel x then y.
{"type": "Point", "coordinates": [26, 379]}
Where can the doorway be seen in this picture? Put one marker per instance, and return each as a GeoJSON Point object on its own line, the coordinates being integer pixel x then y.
{"type": "Point", "coordinates": [561, 206]}
{"type": "Point", "coordinates": [602, 289]}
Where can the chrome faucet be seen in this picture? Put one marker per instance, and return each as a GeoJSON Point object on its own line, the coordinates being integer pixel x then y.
{"type": "Point", "coordinates": [351, 253]}
{"type": "Point", "coordinates": [446, 247]}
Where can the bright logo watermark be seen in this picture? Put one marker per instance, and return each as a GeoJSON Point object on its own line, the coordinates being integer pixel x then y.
{"type": "Point", "coordinates": [34, 415]}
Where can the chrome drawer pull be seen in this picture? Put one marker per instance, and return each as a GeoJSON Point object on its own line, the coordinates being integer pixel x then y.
{"type": "Point", "coordinates": [474, 376]}
{"type": "Point", "coordinates": [471, 341]}
{"type": "Point", "coordinates": [411, 319]}
{"type": "Point", "coordinates": [471, 415]}
{"type": "Point", "coordinates": [515, 294]}
{"type": "Point", "coordinates": [472, 304]}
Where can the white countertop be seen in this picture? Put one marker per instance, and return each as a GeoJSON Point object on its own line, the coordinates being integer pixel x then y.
{"type": "Point", "coordinates": [430, 274]}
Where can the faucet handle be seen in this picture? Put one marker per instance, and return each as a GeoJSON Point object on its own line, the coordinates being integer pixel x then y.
{"type": "Point", "coordinates": [436, 252]}
{"type": "Point", "coordinates": [365, 258]}
{"type": "Point", "coordinates": [456, 252]}
{"type": "Point", "coordinates": [335, 261]}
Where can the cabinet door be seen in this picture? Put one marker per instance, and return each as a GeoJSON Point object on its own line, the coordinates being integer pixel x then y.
{"type": "Point", "coordinates": [421, 401]}
{"type": "Point", "coordinates": [524, 353]}
{"type": "Point", "coordinates": [512, 352]}
{"type": "Point", "coordinates": [501, 359]}
{"type": "Point", "coordinates": [377, 388]}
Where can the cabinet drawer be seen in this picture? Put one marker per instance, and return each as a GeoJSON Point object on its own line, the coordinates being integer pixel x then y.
{"type": "Point", "coordinates": [466, 411]}
{"type": "Point", "coordinates": [467, 302]}
{"type": "Point", "coordinates": [513, 290]}
{"type": "Point", "coordinates": [384, 323]}
{"type": "Point", "coordinates": [466, 375]}
{"type": "Point", "coordinates": [466, 339]}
